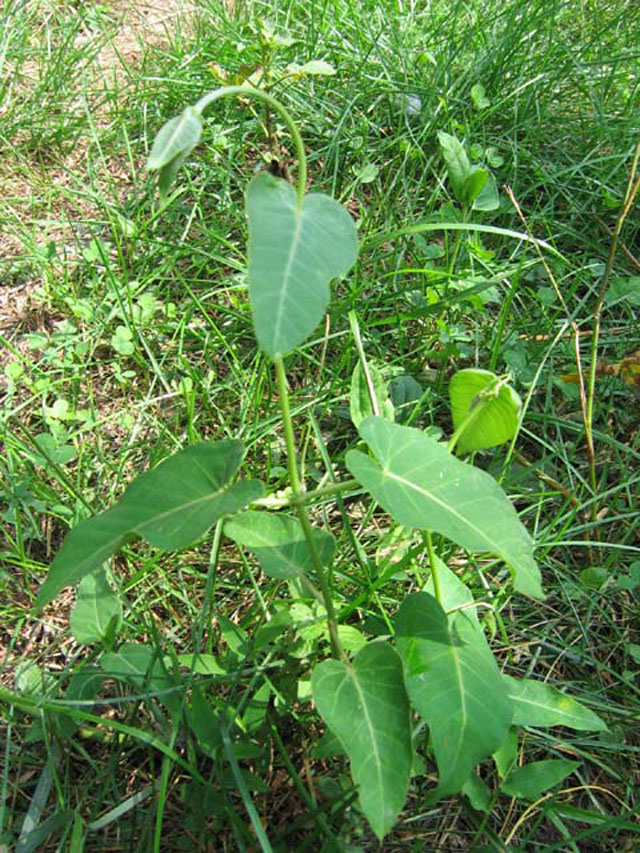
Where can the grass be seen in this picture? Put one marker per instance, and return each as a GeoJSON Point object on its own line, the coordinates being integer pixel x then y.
{"type": "Point", "coordinates": [127, 334]}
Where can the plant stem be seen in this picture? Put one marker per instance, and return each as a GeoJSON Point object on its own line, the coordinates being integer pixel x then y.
{"type": "Point", "coordinates": [433, 565]}
{"type": "Point", "coordinates": [297, 489]}
{"type": "Point", "coordinates": [271, 102]}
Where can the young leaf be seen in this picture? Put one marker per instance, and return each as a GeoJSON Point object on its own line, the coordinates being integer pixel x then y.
{"type": "Point", "coordinates": [278, 542]}
{"type": "Point", "coordinates": [497, 420]}
{"type": "Point", "coordinates": [294, 252]}
{"type": "Point", "coordinates": [170, 506]}
{"type": "Point", "coordinates": [530, 781]}
{"type": "Point", "coordinates": [178, 137]}
{"type": "Point", "coordinates": [479, 97]}
{"type": "Point", "coordinates": [449, 673]}
{"type": "Point", "coordinates": [97, 611]}
{"type": "Point", "coordinates": [488, 198]}
{"type": "Point", "coordinates": [474, 184]}
{"type": "Point", "coordinates": [422, 485]}
{"type": "Point", "coordinates": [365, 705]}
{"type": "Point", "coordinates": [538, 704]}
{"type": "Point", "coordinates": [458, 165]}
{"type": "Point", "coordinates": [360, 403]}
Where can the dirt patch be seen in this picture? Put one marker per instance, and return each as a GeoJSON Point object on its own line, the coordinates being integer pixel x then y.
{"type": "Point", "coordinates": [46, 202]}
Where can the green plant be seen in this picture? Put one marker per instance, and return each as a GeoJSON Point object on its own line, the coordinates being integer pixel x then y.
{"type": "Point", "coordinates": [433, 658]}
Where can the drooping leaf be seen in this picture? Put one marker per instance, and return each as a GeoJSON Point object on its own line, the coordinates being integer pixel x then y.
{"type": "Point", "coordinates": [365, 705]}
{"type": "Point", "coordinates": [170, 506]}
{"type": "Point", "coordinates": [497, 420]}
{"type": "Point", "coordinates": [450, 674]}
{"type": "Point", "coordinates": [533, 779]}
{"type": "Point", "coordinates": [278, 542]}
{"type": "Point", "coordinates": [422, 485]}
{"type": "Point", "coordinates": [294, 252]}
{"type": "Point", "coordinates": [179, 136]}
{"type": "Point", "coordinates": [538, 704]}
{"type": "Point", "coordinates": [97, 611]}
{"type": "Point", "coordinates": [360, 402]}
{"type": "Point", "coordinates": [458, 165]}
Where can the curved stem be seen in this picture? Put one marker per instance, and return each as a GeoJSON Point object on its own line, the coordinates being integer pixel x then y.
{"type": "Point", "coordinates": [296, 488]}
{"type": "Point", "coordinates": [246, 92]}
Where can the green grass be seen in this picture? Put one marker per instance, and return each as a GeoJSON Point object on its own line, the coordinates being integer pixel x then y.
{"type": "Point", "coordinates": [137, 340]}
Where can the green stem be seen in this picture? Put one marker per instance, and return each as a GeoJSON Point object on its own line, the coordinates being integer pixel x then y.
{"type": "Point", "coordinates": [246, 92]}
{"type": "Point", "coordinates": [433, 565]}
{"type": "Point", "coordinates": [296, 488]}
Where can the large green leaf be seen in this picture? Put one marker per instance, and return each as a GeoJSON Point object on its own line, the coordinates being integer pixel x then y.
{"type": "Point", "coordinates": [498, 414]}
{"type": "Point", "coordinates": [455, 684]}
{"type": "Point", "coordinates": [538, 704]}
{"type": "Point", "coordinates": [422, 485]}
{"type": "Point", "coordinates": [170, 506]}
{"type": "Point", "coordinates": [365, 705]}
{"type": "Point", "coordinates": [278, 542]}
{"type": "Point", "coordinates": [294, 252]}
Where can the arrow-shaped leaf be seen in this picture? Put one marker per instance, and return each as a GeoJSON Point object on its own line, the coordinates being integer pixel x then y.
{"type": "Point", "coordinates": [170, 506]}
{"type": "Point", "coordinates": [454, 682]}
{"type": "Point", "coordinates": [538, 704]}
{"type": "Point", "coordinates": [422, 485]}
{"type": "Point", "coordinates": [365, 705]}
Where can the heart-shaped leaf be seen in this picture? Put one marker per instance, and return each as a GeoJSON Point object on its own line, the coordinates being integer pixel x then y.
{"type": "Point", "coordinates": [498, 416]}
{"type": "Point", "coordinates": [170, 506]}
{"type": "Point", "coordinates": [450, 674]}
{"type": "Point", "coordinates": [422, 485]}
{"type": "Point", "coordinates": [294, 252]}
{"type": "Point", "coordinates": [279, 543]}
{"type": "Point", "coordinates": [365, 705]}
